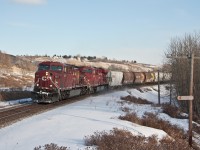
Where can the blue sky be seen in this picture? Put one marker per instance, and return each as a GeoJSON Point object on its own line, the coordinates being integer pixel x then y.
{"type": "Point", "coordinates": [138, 30]}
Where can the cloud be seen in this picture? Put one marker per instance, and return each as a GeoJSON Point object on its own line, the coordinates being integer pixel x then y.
{"type": "Point", "coordinates": [30, 2]}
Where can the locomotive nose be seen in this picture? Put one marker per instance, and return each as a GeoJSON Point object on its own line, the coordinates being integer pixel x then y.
{"type": "Point", "coordinates": [44, 78]}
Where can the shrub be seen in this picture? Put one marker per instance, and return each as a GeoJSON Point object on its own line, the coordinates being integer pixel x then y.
{"type": "Point", "coordinates": [51, 146]}
{"type": "Point", "coordinates": [151, 120]}
{"type": "Point", "coordinates": [118, 139]}
{"type": "Point", "coordinates": [135, 100]}
{"type": "Point", "coordinates": [172, 111]}
{"type": "Point", "coordinates": [132, 117]}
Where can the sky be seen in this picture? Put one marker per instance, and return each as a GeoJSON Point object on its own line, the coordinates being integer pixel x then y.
{"type": "Point", "coordinates": [68, 125]}
{"type": "Point", "coordinates": [138, 30]}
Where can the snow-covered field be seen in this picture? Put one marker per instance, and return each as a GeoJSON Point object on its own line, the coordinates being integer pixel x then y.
{"type": "Point", "coordinates": [67, 125]}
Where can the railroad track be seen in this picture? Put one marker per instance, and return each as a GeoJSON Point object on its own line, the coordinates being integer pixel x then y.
{"type": "Point", "coordinates": [6, 108]}
{"type": "Point", "coordinates": [14, 114]}
{"type": "Point", "coordinates": [19, 112]}
{"type": "Point", "coordinates": [11, 115]}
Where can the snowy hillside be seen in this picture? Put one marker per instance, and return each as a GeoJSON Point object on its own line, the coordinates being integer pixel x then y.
{"type": "Point", "coordinates": [18, 71]}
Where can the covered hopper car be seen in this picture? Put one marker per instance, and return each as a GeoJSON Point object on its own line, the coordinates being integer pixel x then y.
{"type": "Point", "coordinates": [128, 78]}
{"type": "Point", "coordinates": [115, 78]}
{"type": "Point", "coordinates": [139, 77]}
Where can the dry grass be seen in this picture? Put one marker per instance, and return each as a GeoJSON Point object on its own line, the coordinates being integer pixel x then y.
{"type": "Point", "coordinates": [124, 140]}
{"type": "Point", "coordinates": [51, 146]}
{"type": "Point", "coordinates": [172, 111]}
{"type": "Point", "coordinates": [16, 82]}
{"type": "Point", "coordinates": [151, 120]}
{"type": "Point", "coordinates": [118, 139]}
{"type": "Point", "coordinates": [135, 100]}
{"type": "Point", "coordinates": [175, 112]}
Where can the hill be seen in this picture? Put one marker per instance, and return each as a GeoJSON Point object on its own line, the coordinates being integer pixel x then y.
{"type": "Point", "coordinates": [18, 71]}
{"type": "Point", "coordinates": [15, 72]}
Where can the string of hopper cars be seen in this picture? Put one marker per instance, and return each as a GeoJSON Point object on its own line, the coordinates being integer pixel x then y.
{"type": "Point", "coordinates": [55, 81]}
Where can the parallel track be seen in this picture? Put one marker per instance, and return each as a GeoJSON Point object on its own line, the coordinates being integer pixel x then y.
{"type": "Point", "coordinates": [12, 115]}
{"type": "Point", "coordinates": [4, 109]}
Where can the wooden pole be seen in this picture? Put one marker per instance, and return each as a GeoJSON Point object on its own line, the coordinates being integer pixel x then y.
{"type": "Point", "coordinates": [191, 94]}
{"type": "Point", "coordinates": [170, 90]}
{"type": "Point", "coordinates": [158, 86]}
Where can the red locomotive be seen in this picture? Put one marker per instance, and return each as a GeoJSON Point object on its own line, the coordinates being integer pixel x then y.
{"type": "Point", "coordinates": [56, 81]}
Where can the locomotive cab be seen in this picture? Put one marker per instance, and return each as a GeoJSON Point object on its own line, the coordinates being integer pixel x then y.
{"type": "Point", "coordinates": [47, 76]}
{"type": "Point", "coordinates": [47, 82]}
{"type": "Point", "coordinates": [55, 81]}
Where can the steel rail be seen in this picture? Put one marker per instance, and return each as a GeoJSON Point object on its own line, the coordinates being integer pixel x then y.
{"type": "Point", "coordinates": [7, 116]}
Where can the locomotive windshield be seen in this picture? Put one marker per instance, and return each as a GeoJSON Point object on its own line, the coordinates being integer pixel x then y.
{"type": "Point", "coordinates": [87, 71]}
{"type": "Point", "coordinates": [47, 67]}
{"type": "Point", "coordinates": [56, 68]}
{"type": "Point", "coordinates": [43, 67]}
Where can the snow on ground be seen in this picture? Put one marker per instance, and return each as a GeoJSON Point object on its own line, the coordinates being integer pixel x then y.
{"type": "Point", "coordinates": [151, 94]}
{"type": "Point", "coordinates": [8, 104]}
{"type": "Point", "coordinates": [24, 88]}
{"type": "Point", "coordinates": [68, 125]}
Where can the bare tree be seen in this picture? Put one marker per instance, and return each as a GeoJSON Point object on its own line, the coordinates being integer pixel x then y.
{"type": "Point", "coordinates": [180, 50]}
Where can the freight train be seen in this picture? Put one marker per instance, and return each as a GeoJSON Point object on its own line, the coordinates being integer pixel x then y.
{"type": "Point", "coordinates": [55, 81]}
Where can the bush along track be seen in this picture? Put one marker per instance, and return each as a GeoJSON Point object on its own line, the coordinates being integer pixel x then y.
{"type": "Point", "coordinates": [127, 141]}
{"type": "Point", "coordinates": [118, 139]}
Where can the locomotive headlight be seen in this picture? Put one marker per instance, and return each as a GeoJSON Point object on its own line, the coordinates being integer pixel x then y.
{"type": "Point", "coordinates": [37, 84]}
{"type": "Point", "coordinates": [47, 73]}
{"type": "Point", "coordinates": [50, 85]}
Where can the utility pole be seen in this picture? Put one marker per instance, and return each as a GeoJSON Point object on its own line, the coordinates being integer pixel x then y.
{"type": "Point", "coordinates": [191, 94]}
{"type": "Point", "coordinates": [158, 87]}
{"type": "Point", "coordinates": [190, 97]}
{"type": "Point", "coordinates": [170, 90]}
